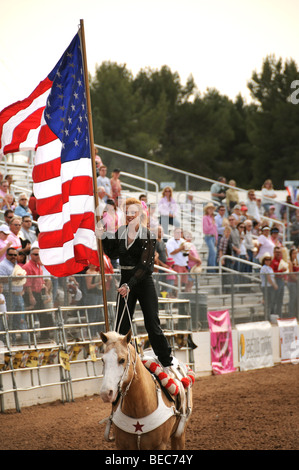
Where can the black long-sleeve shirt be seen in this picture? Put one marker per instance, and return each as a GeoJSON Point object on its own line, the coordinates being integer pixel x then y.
{"type": "Point", "coordinates": [139, 255]}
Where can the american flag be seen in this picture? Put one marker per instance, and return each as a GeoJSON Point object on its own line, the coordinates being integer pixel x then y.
{"type": "Point", "coordinates": [53, 121]}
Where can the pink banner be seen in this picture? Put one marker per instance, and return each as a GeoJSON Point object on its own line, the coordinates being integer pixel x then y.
{"type": "Point", "coordinates": [221, 342]}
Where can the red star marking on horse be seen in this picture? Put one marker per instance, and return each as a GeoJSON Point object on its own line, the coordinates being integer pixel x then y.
{"type": "Point", "coordinates": [138, 427]}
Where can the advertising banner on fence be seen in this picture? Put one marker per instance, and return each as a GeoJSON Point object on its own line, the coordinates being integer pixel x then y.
{"type": "Point", "coordinates": [289, 341]}
{"type": "Point", "coordinates": [221, 342]}
{"type": "Point", "coordinates": [255, 345]}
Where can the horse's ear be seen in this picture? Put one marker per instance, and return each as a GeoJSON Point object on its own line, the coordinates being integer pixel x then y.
{"type": "Point", "coordinates": [128, 336]}
{"type": "Point", "coordinates": [103, 337]}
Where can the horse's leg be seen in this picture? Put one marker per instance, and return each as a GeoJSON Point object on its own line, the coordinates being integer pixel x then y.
{"type": "Point", "coordinates": [178, 442]}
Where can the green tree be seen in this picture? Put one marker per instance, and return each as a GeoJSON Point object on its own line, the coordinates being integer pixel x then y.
{"type": "Point", "coordinates": [273, 128]}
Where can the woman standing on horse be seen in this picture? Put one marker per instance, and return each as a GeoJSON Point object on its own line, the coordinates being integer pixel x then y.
{"type": "Point", "coordinates": [134, 245]}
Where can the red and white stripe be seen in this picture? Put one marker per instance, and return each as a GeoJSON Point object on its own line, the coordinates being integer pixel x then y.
{"type": "Point", "coordinates": [20, 122]}
{"type": "Point", "coordinates": [64, 192]}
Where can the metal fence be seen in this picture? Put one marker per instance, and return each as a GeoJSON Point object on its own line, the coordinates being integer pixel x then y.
{"type": "Point", "coordinates": [45, 343]}
{"type": "Point", "coordinates": [60, 344]}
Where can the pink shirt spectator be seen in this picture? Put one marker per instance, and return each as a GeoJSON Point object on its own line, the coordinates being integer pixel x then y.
{"type": "Point", "coordinates": [34, 269]}
{"type": "Point", "coordinates": [167, 207]}
{"type": "Point", "coordinates": [15, 240]}
{"type": "Point", "coordinates": [209, 226]}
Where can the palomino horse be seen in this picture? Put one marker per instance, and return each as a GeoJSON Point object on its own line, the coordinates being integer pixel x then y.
{"type": "Point", "coordinates": [143, 417]}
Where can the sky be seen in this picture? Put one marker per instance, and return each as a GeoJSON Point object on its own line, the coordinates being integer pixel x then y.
{"type": "Point", "coordinates": [219, 42]}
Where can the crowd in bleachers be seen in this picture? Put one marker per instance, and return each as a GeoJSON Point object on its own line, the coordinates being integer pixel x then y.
{"type": "Point", "coordinates": [249, 228]}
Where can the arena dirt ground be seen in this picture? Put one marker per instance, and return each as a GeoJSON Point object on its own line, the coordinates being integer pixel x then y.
{"type": "Point", "coordinates": [252, 410]}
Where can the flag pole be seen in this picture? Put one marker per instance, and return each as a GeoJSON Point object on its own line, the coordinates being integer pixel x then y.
{"type": "Point", "coordinates": [95, 188]}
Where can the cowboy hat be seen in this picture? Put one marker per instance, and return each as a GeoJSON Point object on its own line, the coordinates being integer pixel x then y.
{"type": "Point", "coordinates": [210, 204]}
{"type": "Point", "coordinates": [19, 272]}
{"type": "Point", "coordinates": [196, 269]}
{"type": "Point", "coordinates": [265, 255]}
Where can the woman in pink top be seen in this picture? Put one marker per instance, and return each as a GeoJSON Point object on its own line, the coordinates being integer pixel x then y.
{"type": "Point", "coordinates": [115, 184]}
{"type": "Point", "coordinates": [210, 233]}
{"type": "Point", "coordinates": [168, 210]}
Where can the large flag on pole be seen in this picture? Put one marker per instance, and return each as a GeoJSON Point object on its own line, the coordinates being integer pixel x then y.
{"type": "Point", "coordinates": [53, 121]}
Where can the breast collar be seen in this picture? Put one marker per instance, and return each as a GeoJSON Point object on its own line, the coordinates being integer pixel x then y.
{"type": "Point", "coordinates": [146, 424]}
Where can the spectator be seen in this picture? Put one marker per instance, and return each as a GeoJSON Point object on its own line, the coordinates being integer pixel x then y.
{"type": "Point", "coordinates": [287, 212]}
{"type": "Point", "coordinates": [102, 199]}
{"type": "Point", "coordinates": [265, 244]}
{"type": "Point", "coordinates": [210, 234]}
{"type": "Point", "coordinates": [249, 243]}
{"type": "Point", "coordinates": [189, 205]}
{"type": "Point", "coordinates": [35, 289]}
{"type": "Point", "coordinates": [161, 248]}
{"type": "Point", "coordinates": [168, 210]}
{"type": "Point", "coordinates": [235, 240]}
{"type": "Point", "coordinates": [243, 215]}
{"type": "Point", "coordinates": [274, 234]}
{"type": "Point", "coordinates": [26, 232]}
{"type": "Point", "coordinates": [220, 220]}
{"type": "Point", "coordinates": [170, 278]}
{"type": "Point", "coordinates": [218, 190]}
{"type": "Point", "coordinates": [115, 184]}
{"type": "Point", "coordinates": [268, 285]}
{"type": "Point", "coordinates": [153, 221]}
{"type": "Point", "coordinates": [293, 282]}
{"type": "Point", "coordinates": [267, 192]}
{"type": "Point", "coordinates": [8, 202]}
{"type": "Point", "coordinates": [294, 230]}
{"type": "Point", "coordinates": [4, 185]}
{"type": "Point", "coordinates": [22, 208]}
{"type": "Point", "coordinates": [10, 180]}
{"type": "Point", "coordinates": [143, 197]}
{"type": "Point", "coordinates": [32, 207]}
{"type": "Point", "coordinates": [21, 258]}
{"type": "Point", "coordinates": [225, 247]}
{"type": "Point", "coordinates": [4, 243]}
{"type": "Point", "coordinates": [271, 213]}
{"type": "Point", "coordinates": [176, 249]}
{"type": "Point", "coordinates": [193, 258]}
{"type": "Point", "coordinates": [232, 196]}
{"type": "Point", "coordinates": [110, 217]}
{"type": "Point", "coordinates": [8, 215]}
{"type": "Point", "coordinates": [279, 266]}
{"type": "Point", "coordinates": [13, 291]}
{"type": "Point", "coordinates": [98, 161]}
{"type": "Point", "coordinates": [161, 254]}
{"type": "Point", "coordinates": [94, 296]}
{"type": "Point", "coordinates": [243, 252]}
{"type": "Point", "coordinates": [103, 180]}
{"type": "Point", "coordinates": [236, 213]}
{"type": "Point", "coordinates": [259, 206]}
{"type": "Point", "coordinates": [14, 236]}
{"type": "Point", "coordinates": [120, 203]}
{"type": "Point", "coordinates": [252, 207]}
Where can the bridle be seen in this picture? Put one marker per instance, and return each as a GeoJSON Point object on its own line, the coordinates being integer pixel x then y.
{"type": "Point", "coordinates": [122, 393]}
{"type": "Point", "coordinates": [126, 370]}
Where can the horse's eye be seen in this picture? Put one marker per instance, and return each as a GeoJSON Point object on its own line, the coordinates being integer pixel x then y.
{"type": "Point", "coordinates": [121, 361]}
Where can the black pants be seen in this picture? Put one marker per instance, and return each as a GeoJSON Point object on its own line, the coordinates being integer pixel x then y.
{"type": "Point", "coordinates": [145, 292]}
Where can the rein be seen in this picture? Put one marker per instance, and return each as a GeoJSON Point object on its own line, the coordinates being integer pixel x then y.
{"type": "Point", "coordinates": [126, 370]}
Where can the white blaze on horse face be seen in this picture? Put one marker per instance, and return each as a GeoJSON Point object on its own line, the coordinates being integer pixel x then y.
{"type": "Point", "coordinates": [112, 376]}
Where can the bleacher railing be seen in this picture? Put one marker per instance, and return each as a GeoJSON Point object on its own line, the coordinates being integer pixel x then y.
{"type": "Point", "coordinates": [66, 332]}
{"type": "Point", "coordinates": [184, 180]}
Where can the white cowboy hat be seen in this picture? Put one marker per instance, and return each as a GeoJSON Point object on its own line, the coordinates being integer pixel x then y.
{"type": "Point", "coordinates": [210, 204]}
{"type": "Point", "coordinates": [19, 272]}
{"type": "Point", "coordinates": [265, 255]}
{"type": "Point", "coordinates": [196, 269]}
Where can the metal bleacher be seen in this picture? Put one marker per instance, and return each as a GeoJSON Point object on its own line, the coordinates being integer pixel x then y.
{"type": "Point", "coordinates": [243, 300]}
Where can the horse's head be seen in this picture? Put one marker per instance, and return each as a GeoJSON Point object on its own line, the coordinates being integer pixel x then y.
{"type": "Point", "coordinates": [115, 361]}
